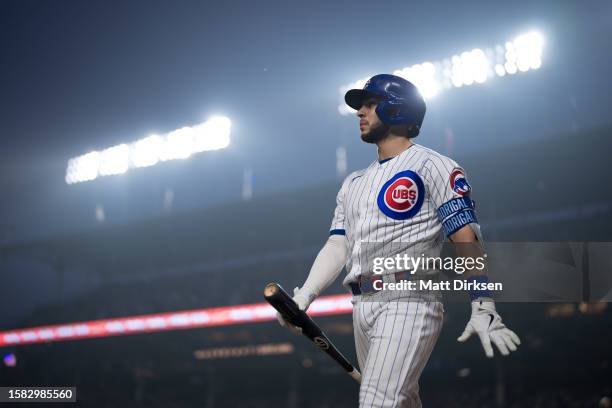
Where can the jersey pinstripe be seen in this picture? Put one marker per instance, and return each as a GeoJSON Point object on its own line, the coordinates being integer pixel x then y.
{"type": "Point", "coordinates": [403, 205]}
{"type": "Point", "coordinates": [376, 225]}
{"type": "Point", "coordinates": [393, 341]}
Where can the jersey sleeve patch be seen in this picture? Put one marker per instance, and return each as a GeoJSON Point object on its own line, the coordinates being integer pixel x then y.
{"type": "Point", "coordinates": [337, 231]}
{"type": "Point", "coordinates": [456, 213]}
{"type": "Point", "coordinates": [458, 182]}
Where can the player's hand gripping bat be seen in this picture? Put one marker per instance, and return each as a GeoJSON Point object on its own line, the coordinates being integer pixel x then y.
{"type": "Point", "coordinates": [284, 304]}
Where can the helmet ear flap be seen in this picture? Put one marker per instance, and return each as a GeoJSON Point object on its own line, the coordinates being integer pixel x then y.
{"type": "Point", "coordinates": [389, 113]}
{"type": "Point", "coordinates": [413, 130]}
{"type": "Point", "coordinates": [392, 114]}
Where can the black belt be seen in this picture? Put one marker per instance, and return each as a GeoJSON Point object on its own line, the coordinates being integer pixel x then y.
{"type": "Point", "coordinates": [366, 285]}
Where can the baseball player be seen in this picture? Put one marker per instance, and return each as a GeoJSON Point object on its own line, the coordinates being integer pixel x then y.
{"type": "Point", "coordinates": [410, 199]}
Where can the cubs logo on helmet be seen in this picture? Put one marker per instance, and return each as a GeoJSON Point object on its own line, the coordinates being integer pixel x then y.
{"type": "Point", "coordinates": [459, 183]}
{"type": "Point", "coordinates": [402, 196]}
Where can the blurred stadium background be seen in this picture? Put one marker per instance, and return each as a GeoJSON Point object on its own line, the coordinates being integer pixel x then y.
{"type": "Point", "coordinates": [196, 230]}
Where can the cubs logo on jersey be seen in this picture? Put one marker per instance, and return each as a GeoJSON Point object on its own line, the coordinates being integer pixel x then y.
{"type": "Point", "coordinates": [459, 183]}
{"type": "Point", "coordinates": [402, 196]}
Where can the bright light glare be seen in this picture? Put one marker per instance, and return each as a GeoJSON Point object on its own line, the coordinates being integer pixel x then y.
{"type": "Point", "coordinates": [114, 160]}
{"type": "Point", "coordinates": [213, 135]}
{"type": "Point", "coordinates": [476, 66]}
{"type": "Point", "coordinates": [83, 168]}
{"type": "Point", "coordinates": [471, 66]}
{"type": "Point", "coordinates": [423, 76]}
{"type": "Point", "coordinates": [178, 144]}
{"type": "Point", "coordinates": [529, 50]}
{"type": "Point", "coordinates": [146, 152]}
{"type": "Point", "coordinates": [510, 67]}
{"type": "Point", "coordinates": [499, 70]}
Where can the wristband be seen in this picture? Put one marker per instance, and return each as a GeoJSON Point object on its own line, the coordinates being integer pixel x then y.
{"type": "Point", "coordinates": [474, 282]}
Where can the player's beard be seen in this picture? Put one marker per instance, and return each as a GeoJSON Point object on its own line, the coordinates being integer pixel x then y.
{"type": "Point", "coordinates": [376, 134]}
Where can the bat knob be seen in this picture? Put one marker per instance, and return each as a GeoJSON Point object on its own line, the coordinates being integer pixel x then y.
{"type": "Point", "coordinates": [271, 289]}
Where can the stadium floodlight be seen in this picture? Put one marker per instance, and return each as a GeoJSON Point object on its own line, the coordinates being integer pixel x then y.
{"type": "Point", "coordinates": [114, 160]}
{"type": "Point", "coordinates": [177, 144]}
{"type": "Point", "coordinates": [510, 67]}
{"type": "Point", "coordinates": [423, 76]}
{"type": "Point", "coordinates": [467, 68]}
{"type": "Point", "coordinates": [528, 50]}
{"type": "Point", "coordinates": [83, 168]}
{"type": "Point", "coordinates": [471, 66]}
{"type": "Point", "coordinates": [212, 135]}
{"type": "Point", "coordinates": [456, 72]}
{"type": "Point", "coordinates": [477, 64]}
{"type": "Point", "coordinates": [500, 70]}
{"type": "Point", "coordinates": [147, 152]}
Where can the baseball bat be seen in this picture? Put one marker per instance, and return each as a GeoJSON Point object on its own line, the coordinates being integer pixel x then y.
{"type": "Point", "coordinates": [280, 300]}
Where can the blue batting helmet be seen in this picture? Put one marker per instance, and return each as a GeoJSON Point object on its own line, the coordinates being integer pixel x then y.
{"type": "Point", "coordinates": [400, 102]}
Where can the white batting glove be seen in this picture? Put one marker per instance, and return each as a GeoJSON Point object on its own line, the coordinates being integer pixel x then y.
{"type": "Point", "coordinates": [487, 324]}
{"type": "Point", "coordinates": [303, 301]}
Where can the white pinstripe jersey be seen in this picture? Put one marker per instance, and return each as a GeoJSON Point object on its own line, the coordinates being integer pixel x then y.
{"type": "Point", "coordinates": [407, 202]}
